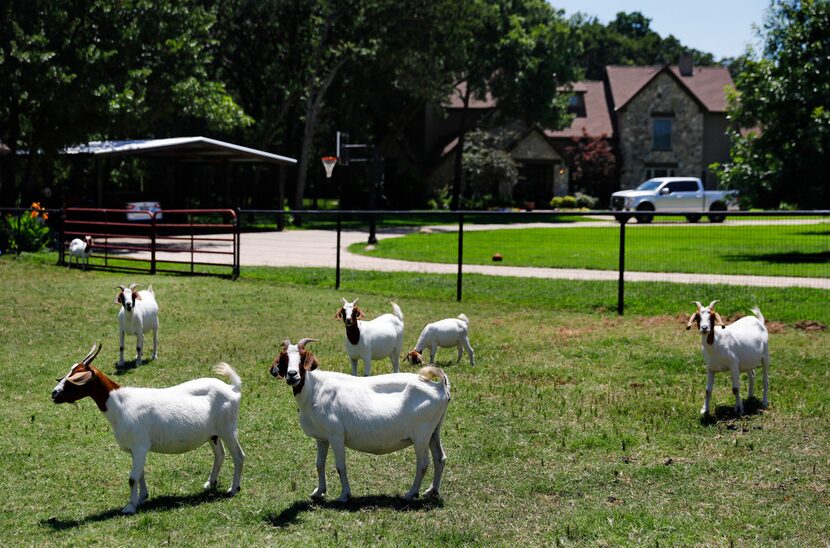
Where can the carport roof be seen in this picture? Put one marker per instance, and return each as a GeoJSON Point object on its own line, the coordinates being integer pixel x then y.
{"type": "Point", "coordinates": [196, 149]}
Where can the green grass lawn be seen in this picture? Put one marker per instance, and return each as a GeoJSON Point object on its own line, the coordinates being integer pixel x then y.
{"type": "Point", "coordinates": [783, 250]}
{"type": "Point", "coordinates": [575, 427]}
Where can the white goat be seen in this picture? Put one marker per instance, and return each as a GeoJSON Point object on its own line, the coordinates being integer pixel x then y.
{"type": "Point", "coordinates": [374, 339]}
{"type": "Point", "coordinates": [739, 347]}
{"type": "Point", "coordinates": [163, 420]}
{"type": "Point", "coordinates": [449, 333]}
{"type": "Point", "coordinates": [80, 249]}
{"type": "Point", "coordinates": [376, 415]}
{"type": "Point", "coordinates": [139, 314]}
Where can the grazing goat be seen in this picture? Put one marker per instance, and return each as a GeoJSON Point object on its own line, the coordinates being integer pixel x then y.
{"type": "Point", "coordinates": [371, 340]}
{"type": "Point", "coordinates": [449, 333]}
{"type": "Point", "coordinates": [739, 347]}
{"type": "Point", "coordinates": [376, 415]}
{"type": "Point", "coordinates": [80, 249]}
{"type": "Point", "coordinates": [163, 420]}
{"type": "Point", "coordinates": [139, 314]}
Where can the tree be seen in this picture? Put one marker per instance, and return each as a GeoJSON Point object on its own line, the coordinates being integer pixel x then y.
{"type": "Point", "coordinates": [491, 170]}
{"type": "Point", "coordinates": [786, 95]}
{"type": "Point", "coordinates": [519, 52]}
{"type": "Point", "coordinates": [72, 70]}
{"type": "Point", "coordinates": [627, 40]}
{"type": "Point", "coordinates": [593, 166]}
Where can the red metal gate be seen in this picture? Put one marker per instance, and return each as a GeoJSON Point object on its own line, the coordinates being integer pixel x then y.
{"type": "Point", "coordinates": [184, 241]}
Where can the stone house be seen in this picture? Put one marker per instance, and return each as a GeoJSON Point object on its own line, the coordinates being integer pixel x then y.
{"type": "Point", "coordinates": [660, 121]}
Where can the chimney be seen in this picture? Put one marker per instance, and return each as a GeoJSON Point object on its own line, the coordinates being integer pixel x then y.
{"type": "Point", "coordinates": [685, 64]}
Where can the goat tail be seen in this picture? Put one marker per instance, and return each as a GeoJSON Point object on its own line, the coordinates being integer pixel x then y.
{"type": "Point", "coordinates": [226, 370]}
{"type": "Point", "coordinates": [757, 312]}
{"type": "Point", "coordinates": [430, 373]}
{"type": "Point", "coordinates": [464, 318]}
{"type": "Point", "coordinates": [396, 310]}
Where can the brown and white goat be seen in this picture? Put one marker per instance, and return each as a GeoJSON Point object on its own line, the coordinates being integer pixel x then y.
{"type": "Point", "coordinates": [738, 348]}
{"type": "Point", "coordinates": [163, 420]}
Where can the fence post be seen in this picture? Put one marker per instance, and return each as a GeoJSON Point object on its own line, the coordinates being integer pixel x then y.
{"type": "Point", "coordinates": [17, 236]}
{"type": "Point", "coordinates": [373, 239]}
{"type": "Point", "coordinates": [61, 230]}
{"type": "Point", "coordinates": [337, 263]}
{"type": "Point", "coordinates": [237, 244]}
{"type": "Point", "coordinates": [153, 242]}
{"type": "Point", "coordinates": [460, 255]}
{"type": "Point", "coordinates": [621, 282]}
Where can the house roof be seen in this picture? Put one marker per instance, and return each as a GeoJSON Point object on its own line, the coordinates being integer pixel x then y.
{"type": "Point", "coordinates": [706, 84]}
{"type": "Point", "coordinates": [455, 101]}
{"type": "Point", "coordinates": [187, 148]}
{"type": "Point", "coordinates": [597, 119]}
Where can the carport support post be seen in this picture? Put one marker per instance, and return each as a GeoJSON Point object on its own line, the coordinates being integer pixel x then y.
{"type": "Point", "coordinates": [460, 255]}
{"type": "Point", "coordinates": [281, 199]}
{"type": "Point", "coordinates": [61, 230]}
{"type": "Point", "coordinates": [621, 281]}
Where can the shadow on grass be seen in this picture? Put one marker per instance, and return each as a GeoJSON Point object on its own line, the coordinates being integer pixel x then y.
{"type": "Point", "coordinates": [156, 504]}
{"type": "Point", "coordinates": [785, 258]}
{"type": "Point", "coordinates": [726, 413]}
{"type": "Point", "coordinates": [129, 366]}
{"type": "Point", "coordinates": [355, 504]}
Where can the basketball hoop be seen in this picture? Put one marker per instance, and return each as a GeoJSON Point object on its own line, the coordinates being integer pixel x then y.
{"type": "Point", "coordinates": [328, 163]}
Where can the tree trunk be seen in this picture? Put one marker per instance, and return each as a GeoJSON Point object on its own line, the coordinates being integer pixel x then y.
{"type": "Point", "coordinates": [313, 106]}
{"type": "Point", "coordinates": [458, 170]}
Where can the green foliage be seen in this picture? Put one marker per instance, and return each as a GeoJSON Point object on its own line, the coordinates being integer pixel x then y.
{"type": "Point", "coordinates": [491, 171]}
{"type": "Point", "coordinates": [627, 40]}
{"type": "Point", "coordinates": [593, 166]}
{"type": "Point", "coordinates": [28, 232]}
{"type": "Point", "coordinates": [563, 202]}
{"type": "Point", "coordinates": [585, 201]}
{"type": "Point", "coordinates": [784, 95]}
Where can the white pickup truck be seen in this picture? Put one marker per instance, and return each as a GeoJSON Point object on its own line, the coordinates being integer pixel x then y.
{"type": "Point", "coordinates": [682, 194]}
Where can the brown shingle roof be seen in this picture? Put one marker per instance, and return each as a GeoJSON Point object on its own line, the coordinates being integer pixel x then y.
{"type": "Point", "coordinates": [597, 119]}
{"type": "Point", "coordinates": [706, 84]}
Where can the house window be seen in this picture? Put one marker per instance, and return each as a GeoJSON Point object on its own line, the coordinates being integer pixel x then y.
{"type": "Point", "coordinates": [652, 172]}
{"type": "Point", "coordinates": [576, 104]}
{"type": "Point", "coordinates": [661, 134]}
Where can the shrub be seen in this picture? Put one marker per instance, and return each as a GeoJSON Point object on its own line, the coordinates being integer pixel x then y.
{"type": "Point", "coordinates": [29, 230]}
{"type": "Point", "coordinates": [563, 202]}
{"type": "Point", "coordinates": [585, 201]}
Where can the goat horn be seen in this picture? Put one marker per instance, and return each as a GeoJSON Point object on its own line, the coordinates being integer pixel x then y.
{"type": "Point", "coordinates": [699, 306]}
{"type": "Point", "coordinates": [133, 286]}
{"type": "Point", "coordinates": [121, 287]}
{"type": "Point", "coordinates": [302, 342]}
{"type": "Point", "coordinates": [92, 354]}
{"type": "Point", "coordinates": [344, 300]}
{"type": "Point", "coordinates": [354, 302]}
{"type": "Point", "coordinates": [712, 304]}
{"type": "Point", "coordinates": [286, 343]}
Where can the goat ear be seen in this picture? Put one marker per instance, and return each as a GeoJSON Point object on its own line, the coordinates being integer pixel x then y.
{"type": "Point", "coordinates": [693, 318]}
{"type": "Point", "coordinates": [360, 314]}
{"type": "Point", "coordinates": [311, 362]}
{"type": "Point", "coordinates": [136, 295]}
{"type": "Point", "coordinates": [80, 379]}
{"type": "Point", "coordinates": [719, 321]}
{"type": "Point", "coordinates": [339, 314]}
{"type": "Point", "coordinates": [118, 298]}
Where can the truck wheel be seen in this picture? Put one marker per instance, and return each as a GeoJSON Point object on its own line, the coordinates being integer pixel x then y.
{"type": "Point", "coordinates": [717, 206]}
{"type": "Point", "coordinates": [693, 218]}
{"type": "Point", "coordinates": [645, 219]}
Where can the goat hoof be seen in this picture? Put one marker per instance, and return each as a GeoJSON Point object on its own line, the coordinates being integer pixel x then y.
{"type": "Point", "coordinates": [128, 510]}
{"type": "Point", "coordinates": [765, 404]}
{"type": "Point", "coordinates": [143, 498]}
{"type": "Point", "coordinates": [318, 494]}
{"type": "Point", "coordinates": [233, 490]}
{"type": "Point", "coordinates": [210, 485]}
{"type": "Point", "coordinates": [343, 498]}
{"type": "Point", "coordinates": [429, 493]}
{"type": "Point", "coordinates": [410, 496]}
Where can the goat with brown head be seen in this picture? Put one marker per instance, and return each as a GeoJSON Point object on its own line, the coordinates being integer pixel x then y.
{"type": "Point", "coordinates": [84, 380]}
{"type": "Point", "coordinates": [292, 364]}
{"type": "Point", "coordinates": [707, 318]}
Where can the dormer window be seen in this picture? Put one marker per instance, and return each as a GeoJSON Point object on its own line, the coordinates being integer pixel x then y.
{"type": "Point", "coordinates": [576, 104]}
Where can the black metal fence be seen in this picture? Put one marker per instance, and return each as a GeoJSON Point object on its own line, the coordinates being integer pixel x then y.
{"type": "Point", "coordinates": [601, 252]}
{"type": "Point", "coordinates": [537, 256]}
